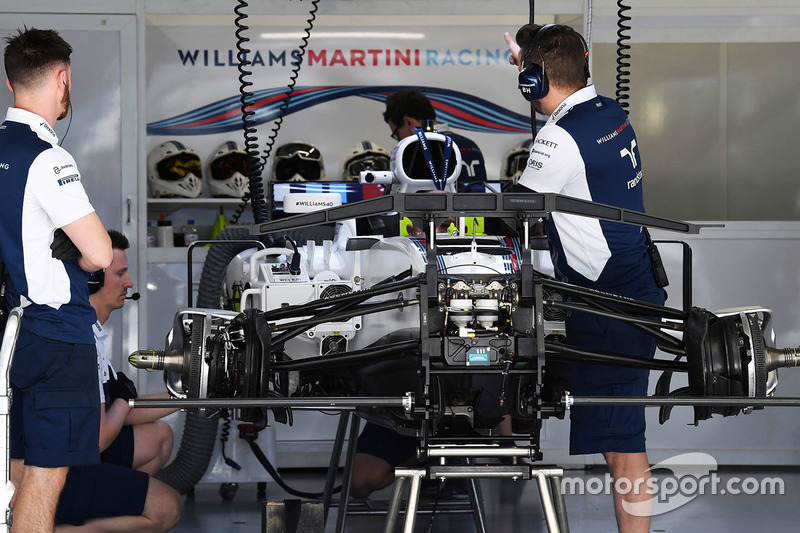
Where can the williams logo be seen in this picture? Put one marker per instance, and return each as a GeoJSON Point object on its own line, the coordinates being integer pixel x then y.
{"type": "Point", "coordinates": [69, 179]}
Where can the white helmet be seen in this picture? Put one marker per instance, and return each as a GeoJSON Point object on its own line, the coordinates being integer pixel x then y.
{"type": "Point", "coordinates": [410, 167]}
{"type": "Point", "coordinates": [297, 161]}
{"type": "Point", "coordinates": [516, 160]}
{"type": "Point", "coordinates": [365, 155]}
{"type": "Point", "coordinates": [226, 171]}
{"type": "Point", "coordinates": [174, 170]}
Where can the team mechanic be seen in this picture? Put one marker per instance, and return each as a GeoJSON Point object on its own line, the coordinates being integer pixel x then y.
{"type": "Point", "coordinates": [50, 238]}
{"type": "Point", "coordinates": [587, 149]}
{"type": "Point", "coordinates": [118, 495]}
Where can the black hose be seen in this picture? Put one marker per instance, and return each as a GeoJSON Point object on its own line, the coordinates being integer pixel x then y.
{"type": "Point", "coordinates": [313, 307]}
{"type": "Point", "coordinates": [389, 351]}
{"type": "Point", "coordinates": [256, 449]}
{"type": "Point", "coordinates": [217, 261]}
{"type": "Point", "coordinates": [623, 80]}
{"type": "Point", "coordinates": [200, 431]}
{"type": "Point", "coordinates": [360, 310]}
{"type": "Point", "coordinates": [254, 164]}
{"type": "Point", "coordinates": [298, 56]}
{"type": "Point", "coordinates": [194, 453]}
{"type": "Point", "coordinates": [564, 352]}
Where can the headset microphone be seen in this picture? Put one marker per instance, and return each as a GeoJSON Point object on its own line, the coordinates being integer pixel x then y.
{"type": "Point", "coordinates": [135, 296]}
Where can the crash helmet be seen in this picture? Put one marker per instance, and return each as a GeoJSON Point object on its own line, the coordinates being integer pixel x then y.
{"type": "Point", "coordinates": [516, 160]}
{"type": "Point", "coordinates": [173, 169]}
{"type": "Point", "coordinates": [297, 161]}
{"type": "Point", "coordinates": [226, 171]}
{"type": "Point", "coordinates": [365, 155]}
{"type": "Point", "coordinates": [410, 167]}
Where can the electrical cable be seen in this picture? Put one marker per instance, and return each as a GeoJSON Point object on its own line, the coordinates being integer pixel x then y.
{"type": "Point", "coordinates": [262, 458]}
{"type": "Point", "coordinates": [531, 11]}
{"type": "Point", "coordinates": [69, 123]}
{"type": "Point", "coordinates": [623, 79]}
{"type": "Point", "coordinates": [313, 307]}
{"type": "Point", "coordinates": [224, 434]}
{"type": "Point", "coordinates": [255, 163]}
{"type": "Point", "coordinates": [360, 310]}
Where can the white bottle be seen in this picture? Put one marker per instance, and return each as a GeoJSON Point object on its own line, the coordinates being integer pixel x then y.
{"type": "Point", "coordinates": [189, 233]}
{"type": "Point", "coordinates": [151, 237]}
{"type": "Point", "coordinates": [165, 237]}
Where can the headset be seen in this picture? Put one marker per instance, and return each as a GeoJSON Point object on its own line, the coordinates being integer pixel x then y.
{"type": "Point", "coordinates": [533, 82]}
{"type": "Point", "coordinates": [97, 280]}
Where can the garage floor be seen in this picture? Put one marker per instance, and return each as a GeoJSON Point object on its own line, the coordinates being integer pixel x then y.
{"type": "Point", "coordinates": [515, 506]}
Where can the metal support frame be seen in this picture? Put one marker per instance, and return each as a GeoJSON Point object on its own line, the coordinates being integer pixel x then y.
{"type": "Point", "coordinates": [189, 273]}
{"type": "Point", "coordinates": [6, 356]}
{"type": "Point", "coordinates": [341, 518]}
{"type": "Point", "coordinates": [333, 466]}
{"type": "Point", "coordinates": [548, 481]}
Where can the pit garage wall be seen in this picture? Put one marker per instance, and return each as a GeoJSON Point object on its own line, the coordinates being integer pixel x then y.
{"type": "Point", "coordinates": [716, 133]}
{"type": "Point", "coordinates": [694, 107]}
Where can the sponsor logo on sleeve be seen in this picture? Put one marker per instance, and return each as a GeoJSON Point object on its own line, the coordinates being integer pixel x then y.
{"type": "Point", "coordinates": [69, 179]}
{"type": "Point", "coordinates": [545, 142]}
{"type": "Point", "coordinates": [58, 170]}
{"type": "Point", "coordinates": [534, 164]}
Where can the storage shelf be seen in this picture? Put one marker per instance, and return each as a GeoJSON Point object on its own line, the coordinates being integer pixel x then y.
{"type": "Point", "coordinates": [192, 202]}
{"type": "Point", "coordinates": [177, 254]}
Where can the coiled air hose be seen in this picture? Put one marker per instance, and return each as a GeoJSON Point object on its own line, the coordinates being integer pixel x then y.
{"type": "Point", "coordinates": [623, 65]}
{"type": "Point", "coordinates": [255, 163]}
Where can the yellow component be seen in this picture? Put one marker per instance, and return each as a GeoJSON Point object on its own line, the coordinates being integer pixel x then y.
{"type": "Point", "coordinates": [405, 225]}
{"type": "Point", "coordinates": [219, 224]}
{"type": "Point", "coordinates": [474, 224]}
{"type": "Point", "coordinates": [237, 296]}
{"type": "Point", "coordinates": [452, 229]}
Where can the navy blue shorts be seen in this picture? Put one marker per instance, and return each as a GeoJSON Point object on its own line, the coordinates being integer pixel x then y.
{"type": "Point", "coordinates": [605, 428]}
{"type": "Point", "coordinates": [120, 451]}
{"type": "Point", "coordinates": [387, 444]}
{"type": "Point", "coordinates": [101, 491]}
{"type": "Point", "coordinates": [55, 413]}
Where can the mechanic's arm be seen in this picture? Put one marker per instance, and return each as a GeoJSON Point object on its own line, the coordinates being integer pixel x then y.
{"type": "Point", "coordinates": [515, 58]}
{"type": "Point", "coordinates": [111, 421]}
{"type": "Point", "coordinates": [150, 414]}
{"type": "Point", "coordinates": [91, 238]}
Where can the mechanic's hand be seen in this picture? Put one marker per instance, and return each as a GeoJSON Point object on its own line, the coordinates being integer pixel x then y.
{"type": "Point", "coordinates": [516, 51]}
{"type": "Point", "coordinates": [63, 248]}
{"type": "Point", "coordinates": [121, 387]}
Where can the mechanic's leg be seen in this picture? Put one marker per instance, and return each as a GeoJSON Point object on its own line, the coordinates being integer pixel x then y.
{"type": "Point", "coordinates": [162, 511]}
{"type": "Point", "coordinates": [152, 446]}
{"type": "Point", "coordinates": [15, 475]}
{"type": "Point", "coordinates": [634, 467]}
{"type": "Point", "coordinates": [370, 473]}
{"type": "Point", "coordinates": [36, 499]}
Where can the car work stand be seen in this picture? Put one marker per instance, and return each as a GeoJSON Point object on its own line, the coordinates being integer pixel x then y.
{"type": "Point", "coordinates": [6, 355]}
{"type": "Point", "coordinates": [549, 483]}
